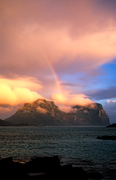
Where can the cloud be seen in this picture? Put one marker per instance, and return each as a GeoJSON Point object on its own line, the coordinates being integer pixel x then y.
{"type": "Point", "coordinates": [111, 101]}
{"type": "Point", "coordinates": [67, 100]}
{"type": "Point", "coordinates": [33, 33]}
{"type": "Point", "coordinates": [5, 110]}
{"type": "Point", "coordinates": [108, 93]}
{"type": "Point", "coordinates": [18, 91]}
{"type": "Point", "coordinates": [22, 82]}
{"type": "Point", "coordinates": [67, 84]}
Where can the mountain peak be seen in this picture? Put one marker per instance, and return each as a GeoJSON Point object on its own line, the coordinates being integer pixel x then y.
{"type": "Point", "coordinates": [40, 106]}
{"type": "Point", "coordinates": [44, 112]}
{"type": "Point", "coordinates": [89, 106]}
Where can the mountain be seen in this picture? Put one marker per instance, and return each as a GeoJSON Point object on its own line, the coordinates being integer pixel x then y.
{"type": "Point", "coordinates": [5, 123]}
{"type": "Point", "coordinates": [39, 113]}
{"type": "Point", "coordinates": [90, 115]}
{"type": "Point", "coordinates": [43, 112]}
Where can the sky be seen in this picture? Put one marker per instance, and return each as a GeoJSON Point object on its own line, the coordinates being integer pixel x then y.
{"type": "Point", "coordinates": [63, 51]}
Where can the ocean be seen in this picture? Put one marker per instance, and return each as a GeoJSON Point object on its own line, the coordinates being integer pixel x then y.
{"type": "Point", "coordinates": [71, 144]}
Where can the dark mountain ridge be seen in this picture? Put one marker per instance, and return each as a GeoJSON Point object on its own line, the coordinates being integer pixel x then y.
{"type": "Point", "coordinates": [43, 112]}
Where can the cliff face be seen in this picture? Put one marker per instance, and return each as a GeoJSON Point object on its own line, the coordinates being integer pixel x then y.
{"type": "Point", "coordinates": [45, 113]}
{"type": "Point", "coordinates": [92, 114]}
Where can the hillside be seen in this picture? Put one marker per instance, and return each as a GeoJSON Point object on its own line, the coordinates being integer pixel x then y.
{"type": "Point", "coordinates": [43, 112]}
{"type": "Point", "coordinates": [5, 123]}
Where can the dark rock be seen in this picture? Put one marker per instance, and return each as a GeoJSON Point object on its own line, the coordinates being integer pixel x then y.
{"type": "Point", "coordinates": [107, 137]}
{"type": "Point", "coordinates": [112, 125]}
{"type": "Point", "coordinates": [44, 168]}
{"type": "Point", "coordinates": [95, 175]}
{"type": "Point", "coordinates": [10, 169]}
{"type": "Point", "coordinates": [45, 113]}
{"type": "Point", "coordinates": [42, 164]}
{"type": "Point", "coordinates": [51, 169]}
{"type": "Point", "coordinates": [69, 172]}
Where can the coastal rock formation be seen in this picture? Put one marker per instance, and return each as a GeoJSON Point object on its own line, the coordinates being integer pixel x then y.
{"type": "Point", "coordinates": [112, 125]}
{"type": "Point", "coordinates": [43, 112]}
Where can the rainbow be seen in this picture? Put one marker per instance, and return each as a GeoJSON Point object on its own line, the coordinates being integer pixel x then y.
{"type": "Point", "coordinates": [54, 73]}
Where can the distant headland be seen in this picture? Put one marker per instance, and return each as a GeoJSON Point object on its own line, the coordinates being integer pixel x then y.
{"type": "Point", "coordinates": [112, 125]}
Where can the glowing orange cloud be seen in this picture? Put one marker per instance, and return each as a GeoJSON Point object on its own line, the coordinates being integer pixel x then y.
{"type": "Point", "coordinates": [14, 92]}
{"type": "Point", "coordinates": [21, 82]}
{"type": "Point", "coordinates": [67, 100]}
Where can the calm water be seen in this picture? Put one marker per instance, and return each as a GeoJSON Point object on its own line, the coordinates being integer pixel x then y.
{"type": "Point", "coordinates": [70, 143]}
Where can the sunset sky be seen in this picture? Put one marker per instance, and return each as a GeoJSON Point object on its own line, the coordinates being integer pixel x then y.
{"type": "Point", "coordinates": [62, 50]}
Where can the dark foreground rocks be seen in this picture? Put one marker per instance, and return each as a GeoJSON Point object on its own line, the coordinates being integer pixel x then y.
{"type": "Point", "coordinates": [43, 168]}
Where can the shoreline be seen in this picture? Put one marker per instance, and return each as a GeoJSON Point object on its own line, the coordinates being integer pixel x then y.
{"type": "Point", "coordinates": [51, 167]}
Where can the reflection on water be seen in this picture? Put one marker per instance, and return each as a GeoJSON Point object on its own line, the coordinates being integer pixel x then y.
{"type": "Point", "coordinates": [68, 142]}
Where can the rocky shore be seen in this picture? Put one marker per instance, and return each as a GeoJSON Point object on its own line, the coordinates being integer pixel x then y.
{"type": "Point", "coordinates": [50, 168]}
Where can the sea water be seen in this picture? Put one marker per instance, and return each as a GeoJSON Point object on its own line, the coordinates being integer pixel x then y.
{"type": "Point", "coordinates": [69, 143]}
